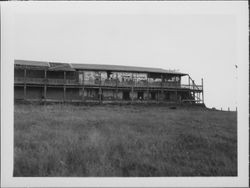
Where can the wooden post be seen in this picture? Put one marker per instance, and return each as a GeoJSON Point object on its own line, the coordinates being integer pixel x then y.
{"type": "Point", "coordinates": [147, 89]}
{"type": "Point", "coordinates": [202, 91]}
{"type": "Point", "coordinates": [24, 92]}
{"type": "Point", "coordinates": [188, 81]}
{"type": "Point", "coordinates": [83, 87]}
{"type": "Point", "coordinates": [100, 95]}
{"type": "Point", "coordinates": [24, 88]}
{"type": "Point", "coordinates": [45, 85]}
{"type": "Point", "coordinates": [25, 74]}
{"type": "Point", "coordinates": [116, 91]}
{"type": "Point", "coordinates": [162, 98]}
{"type": "Point", "coordinates": [100, 89]}
{"type": "Point", "coordinates": [64, 86]}
{"type": "Point", "coordinates": [176, 96]}
{"type": "Point", "coordinates": [132, 89]}
{"type": "Point", "coordinates": [64, 93]}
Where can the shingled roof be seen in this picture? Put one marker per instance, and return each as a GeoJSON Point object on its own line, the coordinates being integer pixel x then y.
{"type": "Point", "coordinates": [96, 67]}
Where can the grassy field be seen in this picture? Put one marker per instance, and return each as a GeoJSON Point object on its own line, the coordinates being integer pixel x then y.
{"type": "Point", "coordinates": [65, 140]}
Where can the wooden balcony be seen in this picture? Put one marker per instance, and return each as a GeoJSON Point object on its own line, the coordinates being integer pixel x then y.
{"type": "Point", "coordinates": [107, 83]}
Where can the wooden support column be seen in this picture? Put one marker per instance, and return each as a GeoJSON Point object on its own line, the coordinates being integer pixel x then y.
{"type": "Point", "coordinates": [83, 87]}
{"type": "Point", "coordinates": [202, 91]}
{"type": "Point", "coordinates": [132, 89]}
{"type": "Point", "coordinates": [100, 89]}
{"type": "Point", "coordinates": [64, 86]}
{"type": "Point", "coordinates": [162, 98]}
{"type": "Point", "coordinates": [45, 85]}
{"type": "Point", "coordinates": [147, 89]}
{"type": "Point", "coordinates": [176, 96]}
{"type": "Point", "coordinates": [24, 92]}
{"type": "Point", "coordinates": [188, 81]}
{"type": "Point", "coordinates": [100, 95]}
{"type": "Point", "coordinates": [116, 90]}
{"type": "Point", "coordinates": [24, 88]}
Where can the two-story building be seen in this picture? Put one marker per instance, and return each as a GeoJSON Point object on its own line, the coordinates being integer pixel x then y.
{"type": "Point", "coordinates": [65, 82]}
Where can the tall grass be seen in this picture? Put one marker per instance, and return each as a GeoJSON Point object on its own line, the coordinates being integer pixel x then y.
{"type": "Point", "coordinates": [65, 140]}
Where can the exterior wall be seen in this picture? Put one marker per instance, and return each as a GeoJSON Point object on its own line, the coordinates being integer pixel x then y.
{"type": "Point", "coordinates": [124, 93]}
{"type": "Point", "coordinates": [120, 95]}
{"type": "Point", "coordinates": [55, 74]}
{"type": "Point", "coordinates": [73, 94]}
{"type": "Point", "coordinates": [54, 93]}
{"type": "Point", "coordinates": [19, 92]}
{"type": "Point", "coordinates": [90, 93]}
{"type": "Point", "coordinates": [108, 94]}
{"type": "Point", "coordinates": [35, 73]}
{"type": "Point", "coordinates": [19, 73]}
{"type": "Point", "coordinates": [34, 92]}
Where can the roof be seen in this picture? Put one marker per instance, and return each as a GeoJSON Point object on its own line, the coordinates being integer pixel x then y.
{"type": "Point", "coordinates": [121, 68]}
{"type": "Point", "coordinates": [94, 67]}
{"type": "Point", "coordinates": [61, 67]}
{"type": "Point", "coordinates": [32, 63]}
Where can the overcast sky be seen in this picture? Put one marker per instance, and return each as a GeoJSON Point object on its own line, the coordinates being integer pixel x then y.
{"type": "Point", "coordinates": [200, 43]}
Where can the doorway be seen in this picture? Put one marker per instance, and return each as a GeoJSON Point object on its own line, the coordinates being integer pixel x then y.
{"type": "Point", "coordinates": [140, 95]}
{"type": "Point", "coordinates": [125, 95]}
{"type": "Point", "coordinates": [153, 95]}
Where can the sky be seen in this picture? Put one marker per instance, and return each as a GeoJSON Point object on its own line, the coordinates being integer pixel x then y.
{"type": "Point", "coordinates": [203, 44]}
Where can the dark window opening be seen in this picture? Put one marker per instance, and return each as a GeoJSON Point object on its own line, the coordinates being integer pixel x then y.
{"type": "Point", "coordinates": [167, 96]}
{"type": "Point", "coordinates": [153, 95]}
{"type": "Point", "coordinates": [125, 95]}
{"type": "Point", "coordinates": [140, 95]}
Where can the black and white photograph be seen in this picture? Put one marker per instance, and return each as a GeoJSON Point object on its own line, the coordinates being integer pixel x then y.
{"type": "Point", "coordinates": [124, 94]}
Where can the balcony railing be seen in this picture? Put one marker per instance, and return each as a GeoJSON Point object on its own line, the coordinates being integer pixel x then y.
{"type": "Point", "coordinates": [111, 83]}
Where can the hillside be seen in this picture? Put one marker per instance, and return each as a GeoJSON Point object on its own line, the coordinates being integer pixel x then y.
{"type": "Point", "coordinates": [66, 140]}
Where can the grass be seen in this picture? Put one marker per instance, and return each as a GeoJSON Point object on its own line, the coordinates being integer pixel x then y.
{"type": "Point", "coordinates": [123, 141]}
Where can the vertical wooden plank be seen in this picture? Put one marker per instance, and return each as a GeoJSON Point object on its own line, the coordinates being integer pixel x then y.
{"type": "Point", "coordinates": [64, 93]}
{"type": "Point", "coordinates": [24, 92]}
{"type": "Point", "coordinates": [147, 88]}
{"type": "Point", "coordinates": [202, 91]}
{"type": "Point", "coordinates": [132, 89]}
{"type": "Point", "coordinates": [188, 81]}
{"type": "Point", "coordinates": [176, 96]}
{"type": "Point", "coordinates": [162, 98]}
{"type": "Point", "coordinates": [116, 91]}
{"type": "Point", "coordinates": [24, 88]}
{"type": "Point", "coordinates": [83, 86]}
{"type": "Point", "coordinates": [100, 95]}
{"type": "Point", "coordinates": [45, 92]}
{"type": "Point", "coordinates": [45, 85]}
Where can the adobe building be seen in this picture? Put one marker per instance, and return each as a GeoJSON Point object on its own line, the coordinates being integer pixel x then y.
{"type": "Point", "coordinates": [64, 82]}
